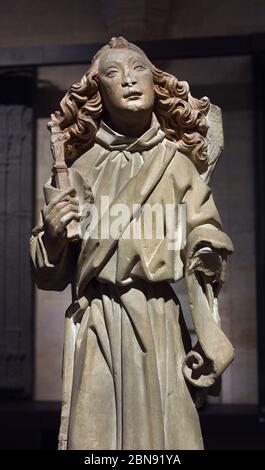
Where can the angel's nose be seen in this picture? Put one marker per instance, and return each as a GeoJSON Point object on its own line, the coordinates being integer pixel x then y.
{"type": "Point", "coordinates": [128, 80]}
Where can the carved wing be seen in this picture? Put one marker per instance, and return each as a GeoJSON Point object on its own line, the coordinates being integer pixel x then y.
{"type": "Point", "coordinates": [215, 138]}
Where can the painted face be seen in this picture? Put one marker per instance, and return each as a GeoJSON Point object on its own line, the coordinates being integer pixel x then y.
{"type": "Point", "coordinates": [125, 82]}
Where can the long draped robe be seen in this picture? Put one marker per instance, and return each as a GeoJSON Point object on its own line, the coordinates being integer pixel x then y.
{"type": "Point", "coordinates": [125, 337]}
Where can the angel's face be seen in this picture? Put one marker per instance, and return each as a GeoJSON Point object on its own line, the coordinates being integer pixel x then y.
{"type": "Point", "coordinates": [125, 82]}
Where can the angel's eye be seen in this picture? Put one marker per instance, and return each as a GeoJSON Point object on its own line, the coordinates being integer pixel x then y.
{"type": "Point", "coordinates": [111, 73]}
{"type": "Point", "coordinates": [139, 67]}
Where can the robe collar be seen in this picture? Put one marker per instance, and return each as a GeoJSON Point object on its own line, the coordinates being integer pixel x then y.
{"type": "Point", "coordinates": [111, 140]}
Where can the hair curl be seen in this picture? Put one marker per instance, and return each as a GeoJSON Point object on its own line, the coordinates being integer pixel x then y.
{"type": "Point", "coordinates": [182, 117]}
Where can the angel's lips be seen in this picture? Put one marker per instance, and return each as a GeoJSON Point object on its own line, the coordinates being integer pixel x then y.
{"type": "Point", "coordinates": [133, 95]}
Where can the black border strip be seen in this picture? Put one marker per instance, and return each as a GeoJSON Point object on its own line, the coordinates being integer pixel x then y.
{"type": "Point", "coordinates": [259, 174]}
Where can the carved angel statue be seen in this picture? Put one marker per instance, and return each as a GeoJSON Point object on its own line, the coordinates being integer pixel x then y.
{"type": "Point", "coordinates": [132, 141]}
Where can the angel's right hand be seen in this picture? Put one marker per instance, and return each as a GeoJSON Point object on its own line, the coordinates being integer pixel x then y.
{"type": "Point", "coordinates": [56, 216]}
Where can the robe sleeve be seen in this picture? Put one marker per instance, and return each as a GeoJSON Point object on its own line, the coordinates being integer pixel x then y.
{"type": "Point", "coordinates": [49, 276]}
{"type": "Point", "coordinates": [56, 276]}
{"type": "Point", "coordinates": [213, 352]}
{"type": "Point", "coordinates": [204, 227]}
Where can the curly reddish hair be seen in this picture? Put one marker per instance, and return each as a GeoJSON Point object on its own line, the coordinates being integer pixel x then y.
{"type": "Point", "coordinates": [181, 116]}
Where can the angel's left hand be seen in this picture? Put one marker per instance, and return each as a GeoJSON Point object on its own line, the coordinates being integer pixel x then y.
{"type": "Point", "coordinates": [208, 261]}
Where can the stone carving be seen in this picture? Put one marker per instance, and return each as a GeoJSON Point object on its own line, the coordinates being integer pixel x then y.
{"type": "Point", "coordinates": [138, 149]}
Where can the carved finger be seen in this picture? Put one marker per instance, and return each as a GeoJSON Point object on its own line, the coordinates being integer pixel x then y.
{"type": "Point", "coordinates": [52, 214]}
{"type": "Point", "coordinates": [194, 264]}
{"type": "Point", "coordinates": [58, 198]}
{"type": "Point", "coordinates": [74, 200]}
{"type": "Point", "coordinates": [60, 209]}
{"type": "Point", "coordinates": [66, 219]}
{"type": "Point", "coordinates": [69, 208]}
{"type": "Point", "coordinates": [64, 210]}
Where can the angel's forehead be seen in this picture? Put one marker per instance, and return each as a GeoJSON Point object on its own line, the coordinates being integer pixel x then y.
{"type": "Point", "coordinates": [119, 56]}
